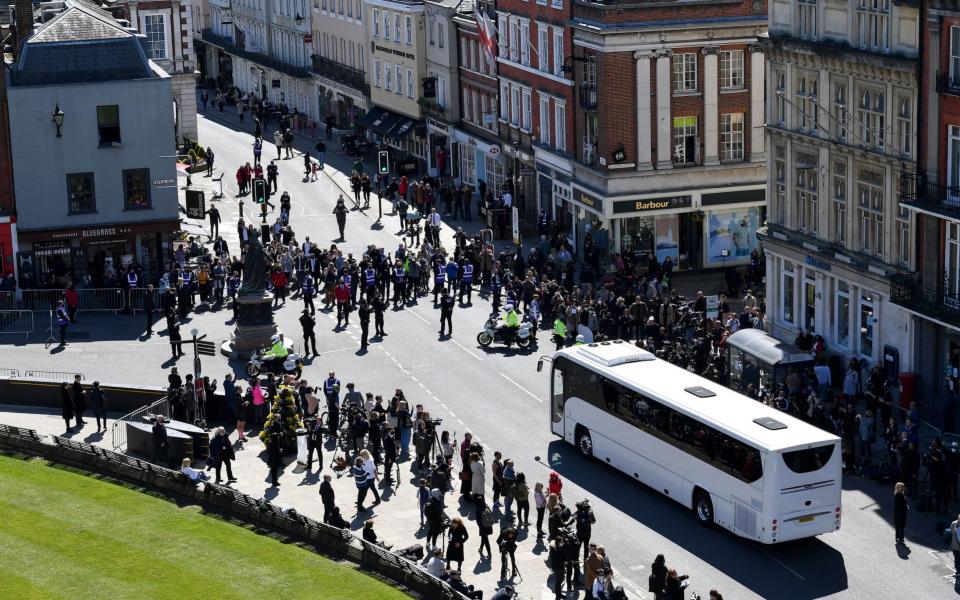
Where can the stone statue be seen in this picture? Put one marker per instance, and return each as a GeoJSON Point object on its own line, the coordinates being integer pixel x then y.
{"type": "Point", "coordinates": [254, 279]}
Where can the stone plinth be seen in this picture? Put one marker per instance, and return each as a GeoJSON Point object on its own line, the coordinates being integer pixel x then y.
{"type": "Point", "coordinates": [255, 325]}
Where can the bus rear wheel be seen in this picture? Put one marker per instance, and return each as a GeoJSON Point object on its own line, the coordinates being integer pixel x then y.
{"type": "Point", "coordinates": [584, 443]}
{"type": "Point", "coordinates": [703, 508]}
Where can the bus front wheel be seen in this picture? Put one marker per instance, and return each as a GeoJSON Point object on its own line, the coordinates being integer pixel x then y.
{"type": "Point", "coordinates": [703, 508]}
{"type": "Point", "coordinates": [584, 443]}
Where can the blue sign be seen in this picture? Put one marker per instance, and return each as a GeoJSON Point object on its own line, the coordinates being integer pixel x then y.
{"type": "Point", "coordinates": [820, 264]}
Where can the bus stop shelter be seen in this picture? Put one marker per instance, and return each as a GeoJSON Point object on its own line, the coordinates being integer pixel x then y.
{"type": "Point", "coordinates": [754, 357]}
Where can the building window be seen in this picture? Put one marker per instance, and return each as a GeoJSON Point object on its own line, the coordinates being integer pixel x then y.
{"type": "Point", "coordinates": [432, 28]}
{"type": "Point", "coordinates": [842, 317]}
{"type": "Point", "coordinates": [525, 43]}
{"type": "Point", "coordinates": [731, 136]}
{"type": "Point", "coordinates": [840, 110]}
{"type": "Point", "coordinates": [953, 163]}
{"type": "Point", "coordinates": [866, 324]}
{"type": "Point", "coordinates": [787, 282]}
{"type": "Point", "coordinates": [870, 210]}
{"type": "Point", "coordinates": [410, 83]}
{"type": "Point", "coordinates": [527, 119]}
{"type": "Point", "coordinates": [376, 73]}
{"type": "Point", "coordinates": [807, 19]}
{"type": "Point", "coordinates": [408, 29]}
{"type": "Point", "coordinates": [155, 30]}
{"type": "Point", "coordinates": [136, 188]}
{"type": "Point", "coordinates": [440, 41]}
{"type": "Point", "coordinates": [807, 194]}
{"type": "Point", "coordinates": [557, 4]}
{"type": "Point", "coordinates": [780, 185]}
{"type": "Point", "coordinates": [399, 80]}
{"type": "Point", "coordinates": [838, 214]}
{"type": "Point", "coordinates": [502, 37]}
{"type": "Point", "coordinates": [903, 236]}
{"type": "Point", "coordinates": [388, 77]}
{"type": "Point", "coordinates": [108, 124]}
{"type": "Point", "coordinates": [873, 24]}
{"type": "Point", "coordinates": [359, 11]}
{"type": "Point", "coordinates": [872, 117]}
{"type": "Point", "coordinates": [441, 90]}
{"type": "Point", "coordinates": [396, 28]}
{"type": "Point", "coordinates": [558, 51]}
{"type": "Point", "coordinates": [685, 148]}
{"type": "Point", "coordinates": [685, 72]}
{"type": "Point", "coordinates": [495, 176]}
{"type": "Point", "coordinates": [543, 48]}
{"type": "Point", "coordinates": [467, 109]}
{"type": "Point", "coordinates": [386, 26]}
{"type": "Point", "coordinates": [515, 105]}
{"type": "Point", "coordinates": [591, 131]}
{"type": "Point", "coordinates": [514, 39]}
{"type": "Point", "coordinates": [905, 125]}
{"type": "Point", "coordinates": [468, 164]}
{"type": "Point", "coordinates": [544, 120]}
{"type": "Point", "coordinates": [780, 95]}
{"type": "Point", "coordinates": [806, 103]}
{"type": "Point", "coordinates": [731, 69]}
{"type": "Point", "coordinates": [376, 22]}
{"type": "Point", "coordinates": [954, 54]}
{"type": "Point", "coordinates": [952, 264]}
{"type": "Point", "coordinates": [560, 125]}
{"type": "Point", "coordinates": [81, 195]}
{"type": "Point", "coordinates": [504, 101]}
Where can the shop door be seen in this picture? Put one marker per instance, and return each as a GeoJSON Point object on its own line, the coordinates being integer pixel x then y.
{"type": "Point", "coordinates": [810, 304]}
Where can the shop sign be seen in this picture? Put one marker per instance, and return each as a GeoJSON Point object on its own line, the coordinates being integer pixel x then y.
{"type": "Point", "coordinates": [622, 166]}
{"type": "Point", "coordinates": [816, 262]}
{"type": "Point", "coordinates": [620, 155]}
{"type": "Point", "coordinates": [164, 181]}
{"type": "Point", "coordinates": [397, 52]}
{"type": "Point", "coordinates": [588, 200]}
{"type": "Point", "coordinates": [90, 234]}
{"type": "Point", "coordinates": [307, 38]}
{"type": "Point", "coordinates": [492, 150]}
{"type": "Point", "coordinates": [51, 248]}
{"type": "Point", "coordinates": [713, 307]}
{"type": "Point", "coordinates": [741, 196]}
{"type": "Point", "coordinates": [516, 226]}
{"type": "Point", "coordinates": [648, 204]}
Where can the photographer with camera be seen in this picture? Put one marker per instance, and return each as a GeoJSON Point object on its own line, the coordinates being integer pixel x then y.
{"type": "Point", "coordinates": [585, 520]}
{"type": "Point", "coordinates": [314, 441]}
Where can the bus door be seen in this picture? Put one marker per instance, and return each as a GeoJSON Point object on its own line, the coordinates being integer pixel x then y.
{"type": "Point", "coordinates": [557, 419]}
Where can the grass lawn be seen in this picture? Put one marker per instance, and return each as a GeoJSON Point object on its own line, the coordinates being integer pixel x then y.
{"type": "Point", "coordinates": [66, 535]}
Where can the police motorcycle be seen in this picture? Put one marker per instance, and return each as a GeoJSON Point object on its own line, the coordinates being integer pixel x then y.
{"type": "Point", "coordinates": [292, 364]}
{"type": "Point", "coordinates": [496, 331]}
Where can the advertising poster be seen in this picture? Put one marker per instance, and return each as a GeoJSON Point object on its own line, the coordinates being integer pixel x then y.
{"type": "Point", "coordinates": [668, 239]}
{"type": "Point", "coordinates": [734, 231]}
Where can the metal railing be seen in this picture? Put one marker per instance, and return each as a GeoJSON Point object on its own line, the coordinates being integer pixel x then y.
{"type": "Point", "coordinates": [348, 76]}
{"type": "Point", "coordinates": [228, 45]}
{"type": "Point", "coordinates": [16, 322]}
{"type": "Point", "coordinates": [918, 191]}
{"type": "Point", "coordinates": [908, 291]}
{"type": "Point", "coordinates": [8, 300]}
{"type": "Point", "coordinates": [53, 375]}
{"type": "Point", "coordinates": [119, 427]}
{"type": "Point", "coordinates": [9, 372]}
{"type": "Point", "coordinates": [88, 300]}
{"type": "Point", "coordinates": [947, 84]}
{"type": "Point", "coordinates": [588, 96]}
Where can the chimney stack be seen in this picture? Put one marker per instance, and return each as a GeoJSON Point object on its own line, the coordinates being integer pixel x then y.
{"type": "Point", "coordinates": [24, 22]}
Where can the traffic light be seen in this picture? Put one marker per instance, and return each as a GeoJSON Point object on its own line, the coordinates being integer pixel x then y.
{"type": "Point", "coordinates": [383, 160]}
{"type": "Point", "coordinates": [259, 191]}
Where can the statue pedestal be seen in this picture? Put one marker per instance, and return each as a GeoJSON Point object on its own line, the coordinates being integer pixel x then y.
{"type": "Point", "coordinates": [254, 328]}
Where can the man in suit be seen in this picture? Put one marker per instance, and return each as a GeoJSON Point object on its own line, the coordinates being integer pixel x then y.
{"type": "Point", "coordinates": [161, 446]}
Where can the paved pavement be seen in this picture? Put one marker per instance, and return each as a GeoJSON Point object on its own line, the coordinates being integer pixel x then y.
{"type": "Point", "coordinates": [499, 396]}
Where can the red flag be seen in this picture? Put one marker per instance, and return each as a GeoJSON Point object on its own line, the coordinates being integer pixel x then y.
{"type": "Point", "coordinates": [487, 34]}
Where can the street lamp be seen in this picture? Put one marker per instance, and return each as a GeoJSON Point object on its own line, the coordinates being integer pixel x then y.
{"type": "Point", "coordinates": [58, 118]}
{"type": "Point", "coordinates": [298, 19]}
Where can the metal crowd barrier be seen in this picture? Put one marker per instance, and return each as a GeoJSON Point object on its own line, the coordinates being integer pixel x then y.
{"type": "Point", "coordinates": [16, 322]}
{"type": "Point", "coordinates": [88, 300]}
{"type": "Point", "coordinates": [8, 300]}
{"type": "Point", "coordinates": [161, 406]}
{"type": "Point", "coordinates": [40, 300]}
{"type": "Point", "coordinates": [53, 375]}
{"type": "Point", "coordinates": [138, 294]}
{"type": "Point", "coordinates": [4, 372]}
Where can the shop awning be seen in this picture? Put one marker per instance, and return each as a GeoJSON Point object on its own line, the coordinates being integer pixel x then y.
{"type": "Point", "coordinates": [402, 127]}
{"type": "Point", "coordinates": [380, 120]}
{"type": "Point", "coordinates": [768, 349]}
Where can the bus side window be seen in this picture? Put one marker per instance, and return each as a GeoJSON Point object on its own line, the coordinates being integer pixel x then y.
{"type": "Point", "coordinates": [558, 398]}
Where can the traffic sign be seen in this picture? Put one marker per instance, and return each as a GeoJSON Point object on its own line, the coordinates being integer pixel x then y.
{"type": "Point", "coordinates": [206, 348]}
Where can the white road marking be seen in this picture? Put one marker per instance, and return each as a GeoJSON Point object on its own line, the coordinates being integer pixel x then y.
{"type": "Point", "coordinates": [525, 390]}
{"type": "Point", "coordinates": [784, 565]}
{"type": "Point", "coordinates": [416, 314]}
{"type": "Point", "coordinates": [420, 383]}
{"type": "Point", "coordinates": [413, 378]}
{"type": "Point", "coordinates": [338, 350]}
{"type": "Point", "coordinates": [462, 347]}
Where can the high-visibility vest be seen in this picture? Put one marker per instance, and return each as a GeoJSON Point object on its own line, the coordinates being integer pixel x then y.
{"type": "Point", "coordinates": [560, 328]}
{"type": "Point", "coordinates": [330, 384]}
{"type": "Point", "coordinates": [399, 274]}
{"type": "Point", "coordinates": [439, 275]}
{"type": "Point", "coordinates": [468, 273]}
{"type": "Point", "coordinates": [346, 279]}
{"type": "Point", "coordinates": [371, 277]}
{"type": "Point", "coordinates": [132, 279]}
{"type": "Point", "coordinates": [308, 286]}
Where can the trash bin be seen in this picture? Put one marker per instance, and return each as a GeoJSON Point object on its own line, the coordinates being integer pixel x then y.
{"type": "Point", "coordinates": [908, 389]}
{"type": "Point", "coordinates": [302, 446]}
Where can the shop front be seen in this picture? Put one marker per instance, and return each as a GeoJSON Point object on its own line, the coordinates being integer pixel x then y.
{"type": "Point", "coordinates": [438, 148]}
{"type": "Point", "coordinates": [54, 258]}
{"type": "Point", "coordinates": [521, 180]}
{"type": "Point", "coordinates": [478, 161]}
{"type": "Point", "coordinates": [587, 222]}
{"type": "Point", "coordinates": [344, 105]}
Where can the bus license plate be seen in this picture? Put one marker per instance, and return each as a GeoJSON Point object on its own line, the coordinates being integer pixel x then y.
{"type": "Point", "coordinates": [805, 519]}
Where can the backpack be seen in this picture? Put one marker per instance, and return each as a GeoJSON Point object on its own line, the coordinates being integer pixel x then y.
{"type": "Point", "coordinates": [486, 518]}
{"type": "Point", "coordinates": [585, 519]}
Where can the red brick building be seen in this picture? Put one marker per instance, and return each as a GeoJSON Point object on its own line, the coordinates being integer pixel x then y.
{"type": "Point", "coordinates": [536, 102]}
{"type": "Point", "coordinates": [668, 139]}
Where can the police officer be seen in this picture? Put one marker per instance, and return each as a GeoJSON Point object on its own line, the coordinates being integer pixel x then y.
{"type": "Point", "coordinates": [399, 284]}
{"type": "Point", "coordinates": [378, 306]}
{"type": "Point", "coordinates": [308, 323]}
{"type": "Point", "coordinates": [364, 313]}
{"type": "Point", "coordinates": [466, 282]}
{"type": "Point", "coordinates": [559, 332]}
{"type": "Point", "coordinates": [370, 280]}
{"type": "Point", "coordinates": [309, 290]}
{"type": "Point", "coordinates": [439, 278]}
{"type": "Point", "coordinates": [447, 303]}
{"type": "Point", "coordinates": [496, 287]}
{"type": "Point", "coordinates": [331, 390]}
{"type": "Point", "coordinates": [233, 286]}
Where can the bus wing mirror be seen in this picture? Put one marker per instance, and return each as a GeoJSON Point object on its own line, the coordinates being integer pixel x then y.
{"type": "Point", "coordinates": [540, 365]}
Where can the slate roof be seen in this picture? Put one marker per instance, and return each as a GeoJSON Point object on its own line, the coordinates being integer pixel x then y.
{"type": "Point", "coordinates": [81, 45]}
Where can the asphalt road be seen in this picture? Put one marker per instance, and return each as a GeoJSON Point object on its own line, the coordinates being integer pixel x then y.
{"type": "Point", "coordinates": [499, 396]}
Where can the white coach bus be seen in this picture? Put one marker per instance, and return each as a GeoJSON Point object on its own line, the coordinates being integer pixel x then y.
{"type": "Point", "coordinates": [735, 462]}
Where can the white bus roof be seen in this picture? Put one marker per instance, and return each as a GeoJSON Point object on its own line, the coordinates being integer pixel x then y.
{"type": "Point", "coordinates": [732, 413]}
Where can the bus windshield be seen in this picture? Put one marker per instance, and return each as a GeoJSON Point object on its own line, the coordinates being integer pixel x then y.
{"type": "Point", "coordinates": [808, 460]}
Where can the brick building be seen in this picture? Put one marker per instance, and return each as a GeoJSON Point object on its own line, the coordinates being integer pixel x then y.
{"type": "Point", "coordinates": [932, 294]}
{"type": "Point", "coordinates": [668, 139]}
{"type": "Point", "coordinates": [535, 101]}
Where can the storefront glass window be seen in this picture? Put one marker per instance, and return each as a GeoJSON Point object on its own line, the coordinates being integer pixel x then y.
{"type": "Point", "coordinates": [843, 315]}
{"type": "Point", "coordinates": [468, 165]}
{"type": "Point", "coordinates": [136, 188]}
{"type": "Point", "coordinates": [80, 193]}
{"type": "Point", "coordinates": [733, 231]}
{"type": "Point", "coordinates": [866, 325]}
{"type": "Point", "coordinates": [637, 236]}
{"type": "Point", "coordinates": [786, 292]}
{"type": "Point", "coordinates": [495, 177]}
{"type": "Point", "coordinates": [810, 302]}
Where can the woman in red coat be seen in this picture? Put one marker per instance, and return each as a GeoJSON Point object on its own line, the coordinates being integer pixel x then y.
{"type": "Point", "coordinates": [342, 294]}
{"type": "Point", "coordinates": [242, 180]}
{"type": "Point", "coordinates": [279, 280]}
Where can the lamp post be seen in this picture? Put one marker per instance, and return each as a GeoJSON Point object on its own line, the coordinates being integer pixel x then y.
{"type": "Point", "coordinates": [58, 119]}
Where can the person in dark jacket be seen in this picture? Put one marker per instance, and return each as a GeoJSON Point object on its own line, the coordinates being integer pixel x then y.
{"type": "Point", "coordinates": [658, 576]}
{"type": "Point", "coordinates": [434, 514]}
{"type": "Point", "coordinates": [507, 542]}
{"type": "Point", "coordinates": [483, 529]}
{"type": "Point", "coordinates": [369, 535]}
{"type": "Point", "coordinates": [161, 446]}
{"type": "Point", "coordinates": [149, 307]}
{"type": "Point", "coordinates": [674, 587]}
{"type": "Point", "coordinates": [173, 334]}
{"type": "Point", "coordinates": [456, 538]}
{"type": "Point", "coordinates": [275, 453]}
{"type": "Point", "coordinates": [221, 453]}
{"type": "Point", "coordinates": [557, 559]}
{"type": "Point", "coordinates": [66, 405]}
{"type": "Point", "coordinates": [98, 399]}
{"type": "Point", "coordinates": [79, 400]}
{"type": "Point", "coordinates": [900, 508]}
{"type": "Point", "coordinates": [328, 498]}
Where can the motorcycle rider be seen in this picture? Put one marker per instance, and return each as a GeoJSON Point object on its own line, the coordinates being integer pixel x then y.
{"type": "Point", "coordinates": [559, 333]}
{"type": "Point", "coordinates": [511, 323]}
{"type": "Point", "coordinates": [274, 357]}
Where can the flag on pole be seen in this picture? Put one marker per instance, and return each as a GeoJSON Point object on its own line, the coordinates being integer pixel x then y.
{"type": "Point", "coordinates": [487, 33]}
